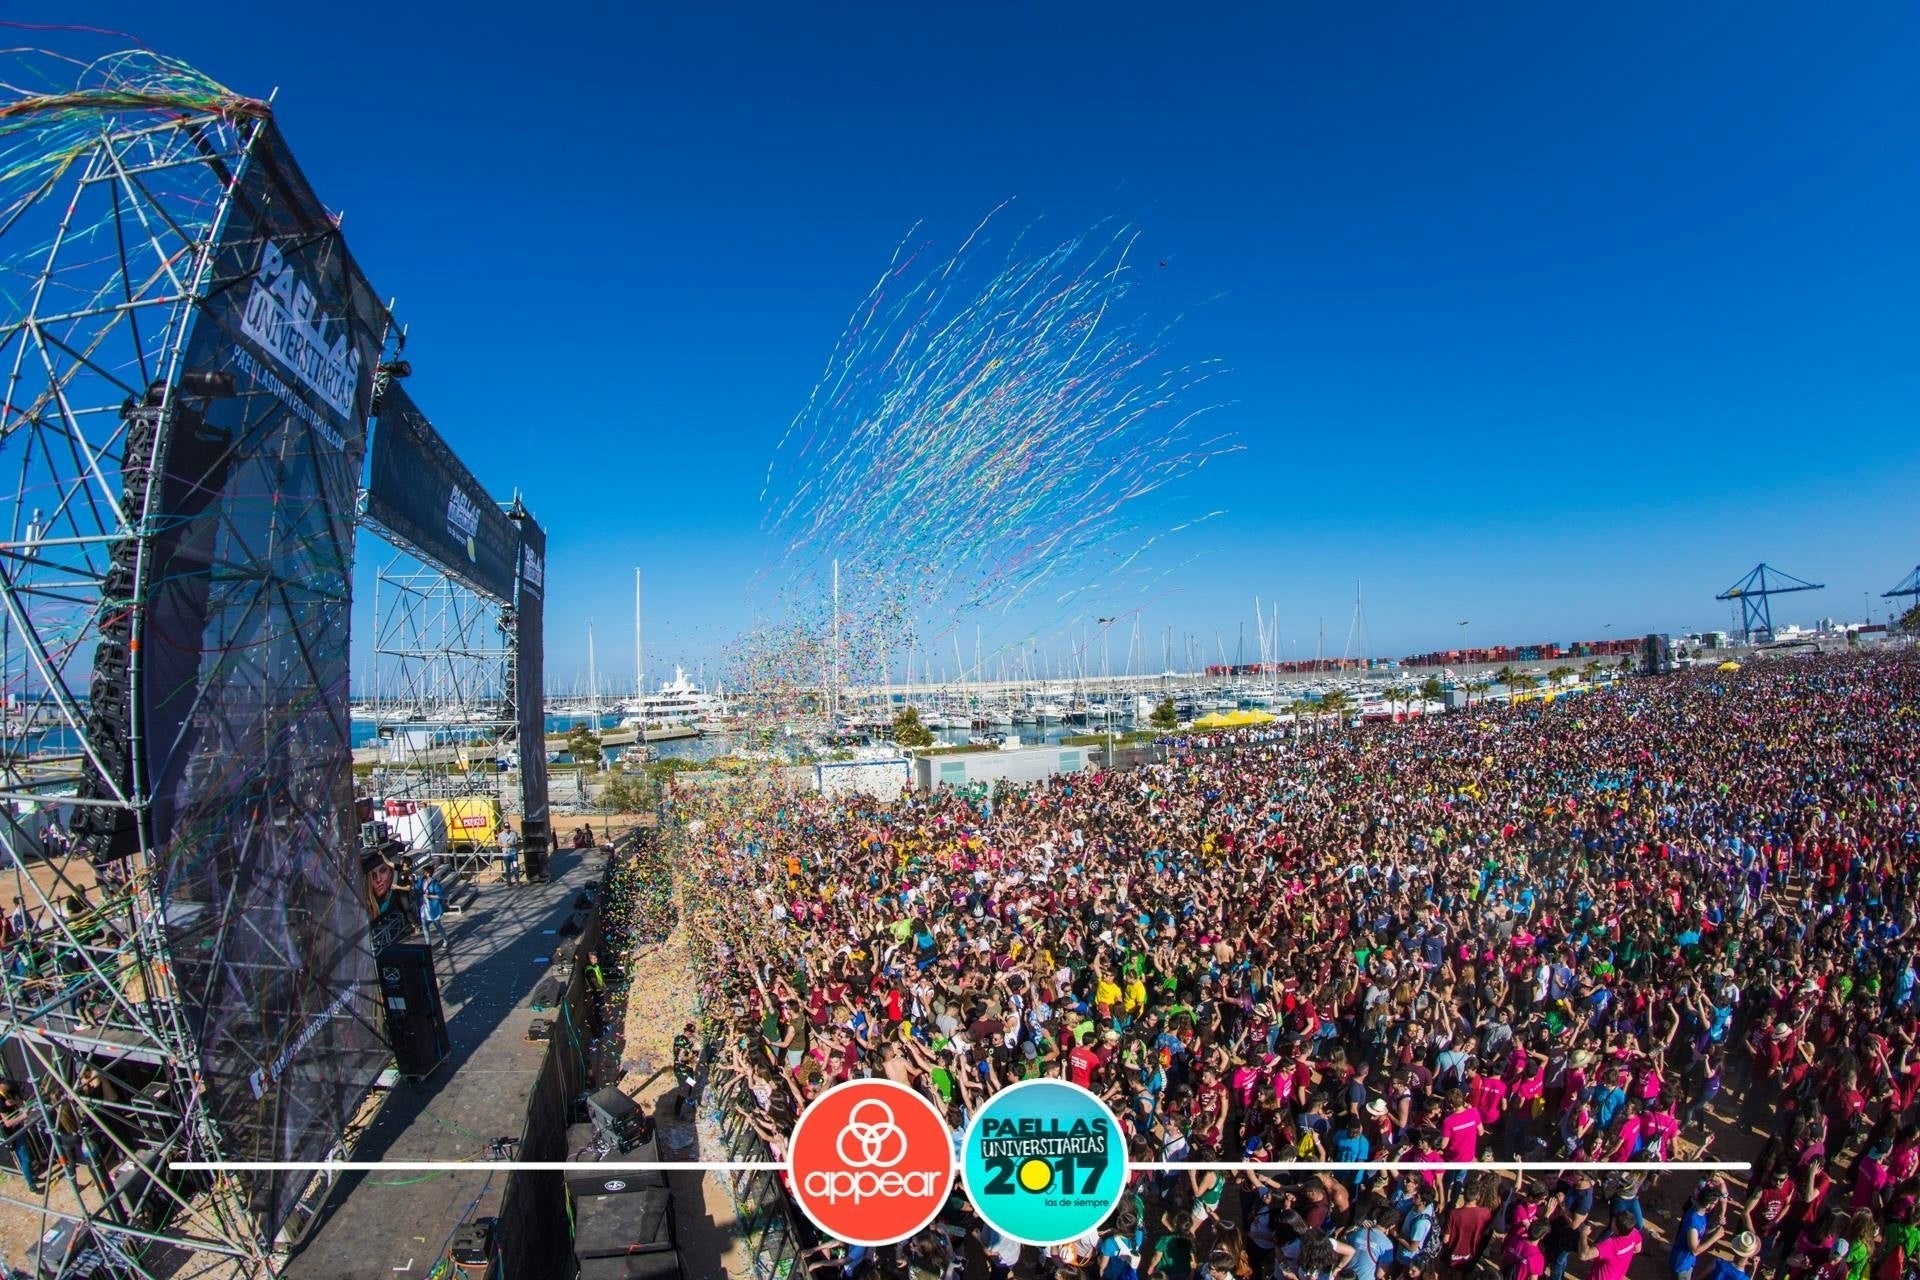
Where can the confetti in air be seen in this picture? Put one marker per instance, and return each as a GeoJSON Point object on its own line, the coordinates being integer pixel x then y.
{"type": "Point", "coordinates": [990, 434]}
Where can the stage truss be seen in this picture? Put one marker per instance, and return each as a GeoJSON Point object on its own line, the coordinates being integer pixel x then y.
{"type": "Point", "coordinates": [149, 221]}
{"type": "Point", "coordinates": [151, 448]}
{"type": "Point", "coordinates": [104, 250]}
{"type": "Point", "coordinates": [443, 685]}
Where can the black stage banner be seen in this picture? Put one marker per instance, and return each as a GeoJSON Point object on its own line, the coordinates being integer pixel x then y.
{"type": "Point", "coordinates": [530, 678]}
{"type": "Point", "coordinates": [242, 680]}
{"type": "Point", "coordinates": [420, 492]}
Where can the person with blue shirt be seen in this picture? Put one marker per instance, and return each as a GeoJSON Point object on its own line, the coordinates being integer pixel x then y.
{"type": "Point", "coordinates": [1350, 1146]}
{"type": "Point", "coordinates": [433, 906]}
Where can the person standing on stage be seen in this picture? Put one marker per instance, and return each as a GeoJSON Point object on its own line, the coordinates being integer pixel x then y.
{"type": "Point", "coordinates": [433, 906]}
{"type": "Point", "coordinates": [510, 854]}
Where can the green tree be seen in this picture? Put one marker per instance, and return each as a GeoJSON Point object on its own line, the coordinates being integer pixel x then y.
{"type": "Point", "coordinates": [1397, 696]}
{"type": "Point", "coordinates": [1560, 675]}
{"type": "Point", "coordinates": [1504, 677]}
{"type": "Point", "coordinates": [1166, 715]}
{"type": "Point", "coordinates": [1910, 620]}
{"type": "Point", "coordinates": [1432, 690]}
{"type": "Point", "coordinates": [1589, 671]}
{"type": "Point", "coordinates": [628, 793]}
{"type": "Point", "coordinates": [1336, 704]}
{"type": "Point", "coordinates": [908, 731]}
{"type": "Point", "coordinates": [583, 744]}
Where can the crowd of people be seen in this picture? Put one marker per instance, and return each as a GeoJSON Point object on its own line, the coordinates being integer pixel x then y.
{"type": "Point", "coordinates": [1672, 918]}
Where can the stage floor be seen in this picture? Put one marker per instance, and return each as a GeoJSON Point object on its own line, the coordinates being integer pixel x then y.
{"type": "Point", "coordinates": [397, 1225]}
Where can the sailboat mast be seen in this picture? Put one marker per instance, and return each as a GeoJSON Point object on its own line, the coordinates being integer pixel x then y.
{"type": "Point", "coordinates": [833, 707]}
{"type": "Point", "coordinates": [639, 665]}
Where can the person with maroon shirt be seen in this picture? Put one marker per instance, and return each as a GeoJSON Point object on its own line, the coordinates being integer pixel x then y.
{"type": "Point", "coordinates": [1468, 1227]}
{"type": "Point", "coordinates": [1769, 1208]}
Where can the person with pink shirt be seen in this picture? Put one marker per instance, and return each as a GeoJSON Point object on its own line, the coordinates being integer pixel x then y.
{"type": "Point", "coordinates": [1614, 1253]}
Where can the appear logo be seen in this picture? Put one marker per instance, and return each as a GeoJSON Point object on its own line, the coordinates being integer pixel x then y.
{"type": "Point", "coordinates": [871, 1161]}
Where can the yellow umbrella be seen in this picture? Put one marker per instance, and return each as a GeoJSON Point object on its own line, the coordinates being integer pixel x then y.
{"type": "Point", "coordinates": [1729, 666]}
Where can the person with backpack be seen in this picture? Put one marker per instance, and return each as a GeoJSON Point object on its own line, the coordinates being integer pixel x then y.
{"type": "Point", "coordinates": [1418, 1238]}
{"type": "Point", "coordinates": [1373, 1248]}
{"type": "Point", "coordinates": [1123, 1239]}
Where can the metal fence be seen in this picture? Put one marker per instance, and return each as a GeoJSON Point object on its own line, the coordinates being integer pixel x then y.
{"type": "Point", "coordinates": [769, 1226]}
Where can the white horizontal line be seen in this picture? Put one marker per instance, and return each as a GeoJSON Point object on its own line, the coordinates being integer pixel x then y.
{"type": "Point", "coordinates": [462, 1166]}
{"type": "Point", "coordinates": [1450, 1166]}
{"type": "Point", "coordinates": [780, 1166]}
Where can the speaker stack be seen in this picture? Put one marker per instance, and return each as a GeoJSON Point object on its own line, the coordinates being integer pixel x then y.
{"type": "Point", "coordinates": [623, 1226]}
{"type": "Point", "coordinates": [410, 994]}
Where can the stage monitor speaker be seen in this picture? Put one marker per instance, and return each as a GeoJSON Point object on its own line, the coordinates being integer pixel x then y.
{"type": "Point", "coordinates": [616, 1116]}
{"type": "Point", "coordinates": [634, 1219]}
{"type": "Point", "coordinates": [471, 1249]}
{"type": "Point", "coordinates": [611, 1109]}
{"type": "Point", "coordinates": [410, 993]}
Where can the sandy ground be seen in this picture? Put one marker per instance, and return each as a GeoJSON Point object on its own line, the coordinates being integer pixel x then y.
{"type": "Point", "coordinates": [659, 1003]}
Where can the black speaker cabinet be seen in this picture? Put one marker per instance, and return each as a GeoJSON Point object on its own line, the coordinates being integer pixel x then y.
{"type": "Point", "coordinates": [410, 994]}
{"type": "Point", "coordinates": [627, 1217]}
{"type": "Point", "coordinates": [615, 1114]}
{"type": "Point", "coordinates": [633, 1266]}
{"type": "Point", "coordinates": [472, 1247]}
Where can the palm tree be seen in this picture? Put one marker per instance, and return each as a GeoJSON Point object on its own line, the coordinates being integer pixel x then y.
{"type": "Point", "coordinates": [1560, 675]}
{"type": "Point", "coordinates": [1504, 677]}
{"type": "Point", "coordinates": [1590, 670]}
{"type": "Point", "coordinates": [1300, 709]}
{"type": "Point", "coordinates": [1334, 704]}
{"type": "Point", "coordinates": [1481, 687]}
{"type": "Point", "coordinates": [1397, 696]}
{"type": "Point", "coordinates": [1432, 690]}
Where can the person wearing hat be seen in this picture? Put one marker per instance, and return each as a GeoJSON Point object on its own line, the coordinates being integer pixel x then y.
{"type": "Point", "coordinates": [1739, 1261]}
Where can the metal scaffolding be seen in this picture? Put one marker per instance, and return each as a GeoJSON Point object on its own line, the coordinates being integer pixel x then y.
{"type": "Point", "coordinates": [443, 684]}
{"type": "Point", "coordinates": [110, 218]}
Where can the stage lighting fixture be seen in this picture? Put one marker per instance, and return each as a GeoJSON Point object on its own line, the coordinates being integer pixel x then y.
{"type": "Point", "coordinates": [208, 384]}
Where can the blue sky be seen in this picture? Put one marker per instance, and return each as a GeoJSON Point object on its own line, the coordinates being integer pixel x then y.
{"type": "Point", "coordinates": [1545, 317]}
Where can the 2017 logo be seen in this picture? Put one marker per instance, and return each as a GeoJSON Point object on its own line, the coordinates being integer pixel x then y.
{"type": "Point", "coordinates": [1044, 1162]}
{"type": "Point", "coordinates": [871, 1162]}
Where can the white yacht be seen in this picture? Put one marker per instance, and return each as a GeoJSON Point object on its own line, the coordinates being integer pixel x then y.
{"type": "Point", "coordinates": [678, 701]}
